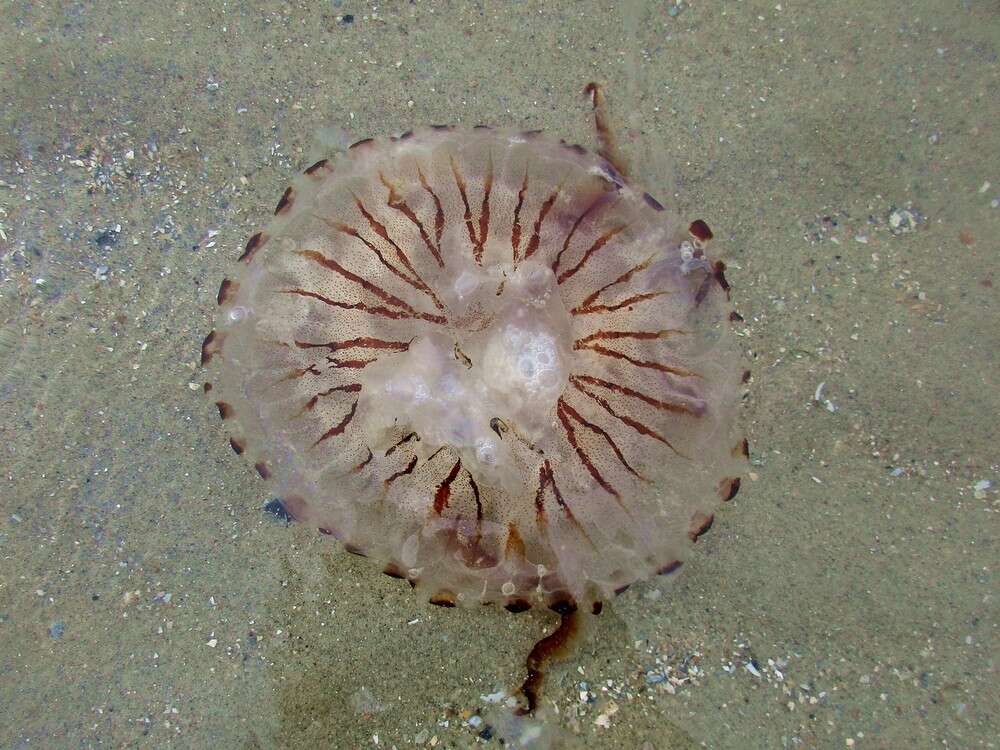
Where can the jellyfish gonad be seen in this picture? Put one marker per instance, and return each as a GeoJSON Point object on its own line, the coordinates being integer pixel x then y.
{"type": "Point", "coordinates": [491, 363]}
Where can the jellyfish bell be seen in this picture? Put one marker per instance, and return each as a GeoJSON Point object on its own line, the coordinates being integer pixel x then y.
{"type": "Point", "coordinates": [488, 361]}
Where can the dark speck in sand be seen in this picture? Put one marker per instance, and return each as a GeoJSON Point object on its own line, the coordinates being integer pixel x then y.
{"type": "Point", "coordinates": [107, 238]}
{"type": "Point", "coordinates": [277, 509]}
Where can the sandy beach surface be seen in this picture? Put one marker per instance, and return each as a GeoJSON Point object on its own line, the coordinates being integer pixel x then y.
{"type": "Point", "coordinates": [846, 155]}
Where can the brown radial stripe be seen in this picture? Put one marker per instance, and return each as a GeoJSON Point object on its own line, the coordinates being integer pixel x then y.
{"type": "Point", "coordinates": [361, 143]}
{"type": "Point", "coordinates": [300, 372]}
{"type": "Point", "coordinates": [595, 247]}
{"type": "Point", "coordinates": [401, 473]}
{"type": "Point", "coordinates": [592, 298]}
{"type": "Point", "coordinates": [443, 491]}
{"type": "Point", "coordinates": [416, 283]}
{"type": "Point", "coordinates": [584, 457]}
{"type": "Point", "coordinates": [598, 202]}
{"type": "Point", "coordinates": [383, 312]}
{"type": "Point", "coordinates": [350, 364]}
{"type": "Point", "coordinates": [364, 463]}
{"type": "Point", "coordinates": [261, 467]}
{"type": "Point", "coordinates": [546, 478]}
{"type": "Point", "coordinates": [401, 442]}
{"type": "Point", "coordinates": [438, 210]}
{"type": "Point", "coordinates": [253, 244]}
{"type": "Point", "coordinates": [603, 433]}
{"type": "Point", "coordinates": [362, 342]}
{"type": "Point", "coordinates": [477, 240]}
{"type": "Point", "coordinates": [596, 309]}
{"type": "Point", "coordinates": [639, 335]}
{"type": "Point", "coordinates": [636, 425]}
{"type": "Point", "coordinates": [515, 232]}
{"type": "Point", "coordinates": [225, 410]}
{"type": "Point", "coordinates": [484, 214]}
{"type": "Point", "coordinates": [414, 278]}
{"type": "Point", "coordinates": [537, 228]}
{"type": "Point", "coordinates": [396, 202]}
{"type": "Point", "coordinates": [349, 388]}
{"type": "Point", "coordinates": [334, 266]}
{"type": "Point", "coordinates": [626, 391]}
{"type": "Point", "coordinates": [237, 445]}
{"type": "Point", "coordinates": [516, 606]}
{"type": "Point", "coordinates": [337, 429]}
{"type": "Point", "coordinates": [648, 364]}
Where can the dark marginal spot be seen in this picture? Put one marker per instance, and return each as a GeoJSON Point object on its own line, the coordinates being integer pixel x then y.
{"type": "Point", "coordinates": [622, 589]}
{"type": "Point", "coordinates": [316, 167]}
{"type": "Point", "coordinates": [482, 127]}
{"type": "Point", "coordinates": [277, 509]}
{"type": "Point", "coordinates": [225, 410]}
{"type": "Point", "coordinates": [285, 202]}
{"type": "Point", "coordinates": [669, 568]}
{"type": "Point", "coordinates": [442, 128]}
{"type": "Point", "coordinates": [743, 448]}
{"type": "Point", "coordinates": [253, 244]}
{"type": "Point", "coordinates": [354, 549]}
{"type": "Point", "coordinates": [347, 19]}
{"type": "Point", "coordinates": [517, 606]}
{"type": "Point", "coordinates": [651, 201]}
{"type": "Point", "coordinates": [735, 317]}
{"type": "Point", "coordinates": [700, 231]}
{"type": "Point", "coordinates": [210, 347]}
{"type": "Point", "coordinates": [237, 445]}
{"type": "Point", "coordinates": [700, 523]}
{"type": "Point", "coordinates": [563, 606]}
{"type": "Point", "coordinates": [362, 142]}
{"type": "Point", "coordinates": [394, 571]}
{"type": "Point", "coordinates": [729, 487]}
{"type": "Point", "coordinates": [746, 376]}
{"type": "Point", "coordinates": [443, 599]}
{"type": "Point", "coordinates": [207, 387]}
{"type": "Point", "coordinates": [576, 148]}
{"type": "Point", "coordinates": [718, 272]}
{"type": "Point", "coordinates": [326, 532]}
{"type": "Point", "coordinates": [225, 291]}
{"type": "Point", "coordinates": [261, 467]}
{"type": "Point", "coordinates": [597, 607]}
{"type": "Point", "coordinates": [408, 134]}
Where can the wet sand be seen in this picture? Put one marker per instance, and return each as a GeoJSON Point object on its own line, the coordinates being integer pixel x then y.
{"type": "Point", "coordinates": [845, 154]}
